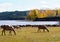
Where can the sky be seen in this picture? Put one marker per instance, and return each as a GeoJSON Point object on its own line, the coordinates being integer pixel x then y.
{"type": "Point", "coordinates": [22, 5]}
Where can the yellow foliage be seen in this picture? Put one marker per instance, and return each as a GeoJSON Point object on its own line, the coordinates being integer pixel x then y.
{"type": "Point", "coordinates": [59, 12]}
{"type": "Point", "coordinates": [50, 12]}
{"type": "Point", "coordinates": [42, 13]}
{"type": "Point", "coordinates": [31, 15]}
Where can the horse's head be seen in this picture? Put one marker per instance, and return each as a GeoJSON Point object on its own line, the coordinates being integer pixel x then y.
{"type": "Point", "coordinates": [16, 26]}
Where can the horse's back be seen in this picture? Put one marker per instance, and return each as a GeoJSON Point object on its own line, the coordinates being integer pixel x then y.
{"type": "Point", "coordinates": [7, 27]}
{"type": "Point", "coordinates": [42, 27]}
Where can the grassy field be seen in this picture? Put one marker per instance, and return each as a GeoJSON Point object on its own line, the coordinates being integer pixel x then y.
{"type": "Point", "coordinates": [30, 34]}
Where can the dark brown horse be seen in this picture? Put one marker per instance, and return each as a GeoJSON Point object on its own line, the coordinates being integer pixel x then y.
{"type": "Point", "coordinates": [42, 27]}
{"type": "Point", "coordinates": [7, 28]}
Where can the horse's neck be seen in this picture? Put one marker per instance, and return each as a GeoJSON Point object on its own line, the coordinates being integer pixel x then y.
{"type": "Point", "coordinates": [45, 26]}
{"type": "Point", "coordinates": [11, 26]}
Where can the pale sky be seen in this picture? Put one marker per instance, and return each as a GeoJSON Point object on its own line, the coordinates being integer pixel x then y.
{"type": "Point", "coordinates": [21, 5]}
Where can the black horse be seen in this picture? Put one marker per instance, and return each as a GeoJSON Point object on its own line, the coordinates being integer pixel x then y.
{"type": "Point", "coordinates": [42, 27]}
{"type": "Point", "coordinates": [7, 28]}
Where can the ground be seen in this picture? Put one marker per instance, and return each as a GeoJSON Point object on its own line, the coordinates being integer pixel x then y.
{"type": "Point", "coordinates": [30, 34]}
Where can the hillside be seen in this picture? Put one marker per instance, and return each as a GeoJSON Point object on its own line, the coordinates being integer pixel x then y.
{"type": "Point", "coordinates": [39, 15]}
{"type": "Point", "coordinates": [16, 15]}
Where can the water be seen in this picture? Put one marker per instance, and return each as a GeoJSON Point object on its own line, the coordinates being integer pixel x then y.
{"type": "Point", "coordinates": [18, 22]}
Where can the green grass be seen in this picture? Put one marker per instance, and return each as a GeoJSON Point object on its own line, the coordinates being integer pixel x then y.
{"type": "Point", "coordinates": [30, 34]}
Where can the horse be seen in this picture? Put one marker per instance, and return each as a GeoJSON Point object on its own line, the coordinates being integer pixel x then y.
{"type": "Point", "coordinates": [42, 27]}
{"type": "Point", "coordinates": [7, 28]}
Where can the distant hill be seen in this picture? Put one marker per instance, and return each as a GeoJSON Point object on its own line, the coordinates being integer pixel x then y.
{"type": "Point", "coordinates": [16, 15]}
{"type": "Point", "coordinates": [21, 15]}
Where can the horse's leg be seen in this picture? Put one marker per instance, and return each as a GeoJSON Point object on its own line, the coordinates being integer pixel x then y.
{"type": "Point", "coordinates": [14, 32]}
{"type": "Point", "coordinates": [20, 27]}
{"type": "Point", "coordinates": [47, 30]}
{"type": "Point", "coordinates": [10, 32]}
{"type": "Point", "coordinates": [43, 30]}
{"type": "Point", "coordinates": [2, 32]}
{"type": "Point", "coordinates": [38, 30]}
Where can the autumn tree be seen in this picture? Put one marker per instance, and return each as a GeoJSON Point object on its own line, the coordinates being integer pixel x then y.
{"type": "Point", "coordinates": [40, 14]}
{"type": "Point", "coordinates": [31, 15]}
{"type": "Point", "coordinates": [58, 11]}
{"type": "Point", "coordinates": [36, 14]}
{"type": "Point", "coordinates": [50, 13]}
